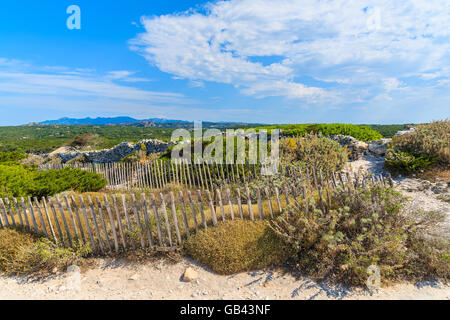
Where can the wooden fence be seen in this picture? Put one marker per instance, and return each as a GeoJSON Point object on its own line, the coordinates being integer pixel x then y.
{"type": "Point", "coordinates": [158, 174]}
{"type": "Point", "coordinates": [119, 222]}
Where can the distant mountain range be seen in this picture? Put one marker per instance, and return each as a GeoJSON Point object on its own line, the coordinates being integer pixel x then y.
{"type": "Point", "coordinates": [132, 122]}
{"type": "Point", "coordinates": [107, 121]}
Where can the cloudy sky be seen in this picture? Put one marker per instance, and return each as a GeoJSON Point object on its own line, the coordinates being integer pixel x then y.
{"type": "Point", "coordinates": [284, 61]}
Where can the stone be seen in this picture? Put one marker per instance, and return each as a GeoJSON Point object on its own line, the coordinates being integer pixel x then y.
{"type": "Point", "coordinates": [357, 148]}
{"type": "Point", "coordinates": [190, 275]}
{"type": "Point", "coordinates": [407, 131]}
{"type": "Point", "coordinates": [134, 277]}
{"type": "Point", "coordinates": [115, 154]}
{"type": "Point", "coordinates": [73, 268]}
{"type": "Point", "coordinates": [379, 147]}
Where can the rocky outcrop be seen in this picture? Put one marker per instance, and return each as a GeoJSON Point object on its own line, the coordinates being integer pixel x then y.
{"type": "Point", "coordinates": [407, 131]}
{"type": "Point", "coordinates": [379, 147]}
{"type": "Point", "coordinates": [356, 148]}
{"type": "Point", "coordinates": [115, 154]}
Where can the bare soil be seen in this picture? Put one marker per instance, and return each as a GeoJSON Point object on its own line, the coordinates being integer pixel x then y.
{"type": "Point", "coordinates": [156, 280]}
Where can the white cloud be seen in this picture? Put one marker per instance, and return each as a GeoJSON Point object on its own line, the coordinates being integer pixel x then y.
{"type": "Point", "coordinates": [333, 41]}
{"type": "Point", "coordinates": [23, 85]}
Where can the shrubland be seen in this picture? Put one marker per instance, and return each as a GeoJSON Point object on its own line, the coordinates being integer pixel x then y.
{"type": "Point", "coordinates": [421, 150]}
{"type": "Point", "coordinates": [237, 246]}
{"type": "Point", "coordinates": [17, 180]}
{"type": "Point", "coordinates": [364, 227]}
{"type": "Point", "coordinates": [362, 133]}
{"type": "Point", "coordinates": [312, 151]}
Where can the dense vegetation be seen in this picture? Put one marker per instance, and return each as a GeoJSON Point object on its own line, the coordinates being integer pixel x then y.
{"type": "Point", "coordinates": [315, 152]}
{"type": "Point", "coordinates": [341, 239]}
{"type": "Point", "coordinates": [17, 180]}
{"type": "Point", "coordinates": [44, 139]}
{"type": "Point", "coordinates": [428, 146]}
{"type": "Point", "coordinates": [388, 130]}
{"type": "Point", "coordinates": [362, 133]}
{"type": "Point", "coordinates": [237, 246]}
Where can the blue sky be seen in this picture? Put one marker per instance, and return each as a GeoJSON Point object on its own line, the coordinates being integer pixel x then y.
{"type": "Point", "coordinates": [265, 61]}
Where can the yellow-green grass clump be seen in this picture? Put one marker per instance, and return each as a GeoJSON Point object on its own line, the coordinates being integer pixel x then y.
{"type": "Point", "coordinates": [237, 246]}
{"type": "Point", "coordinates": [24, 253]}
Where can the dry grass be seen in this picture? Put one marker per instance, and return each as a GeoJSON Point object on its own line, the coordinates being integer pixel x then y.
{"type": "Point", "coordinates": [69, 232]}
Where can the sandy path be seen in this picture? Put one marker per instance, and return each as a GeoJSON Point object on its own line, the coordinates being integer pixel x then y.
{"type": "Point", "coordinates": [159, 280]}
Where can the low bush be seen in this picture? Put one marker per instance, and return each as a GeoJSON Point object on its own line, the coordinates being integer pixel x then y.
{"type": "Point", "coordinates": [313, 151]}
{"type": "Point", "coordinates": [25, 253]}
{"type": "Point", "coordinates": [363, 228]}
{"type": "Point", "coordinates": [237, 246]}
{"type": "Point", "coordinates": [406, 162]}
{"type": "Point", "coordinates": [19, 181]}
{"type": "Point", "coordinates": [361, 133]}
{"type": "Point", "coordinates": [429, 145]}
{"type": "Point", "coordinates": [6, 157]}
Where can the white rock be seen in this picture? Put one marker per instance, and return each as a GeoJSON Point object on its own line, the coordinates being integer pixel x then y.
{"type": "Point", "coordinates": [73, 268]}
{"type": "Point", "coordinates": [379, 147]}
{"type": "Point", "coordinates": [134, 277]}
{"type": "Point", "coordinates": [190, 275]}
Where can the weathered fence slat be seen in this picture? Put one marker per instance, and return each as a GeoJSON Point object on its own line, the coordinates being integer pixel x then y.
{"type": "Point", "coordinates": [113, 225]}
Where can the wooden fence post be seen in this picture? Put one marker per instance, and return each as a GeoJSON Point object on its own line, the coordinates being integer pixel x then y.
{"type": "Point", "coordinates": [183, 210]}
{"type": "Point", "coordinates": [164, 210]}
{"type": "Point", "coordinates": [249, 203]}
{"type": "Point", "coordinates": [77, 214]}
{"type": "Point", "coordinates": [194, 212]}
{"type": "Point", "coordinates": [33, 218]}
{"type": "Point", "coordinates": [113, 225]}
{"type": "Point", "coordinates": [58, 226]}
{"type": "Point", "coordinates": [222, 211]}
{"type": "Point", "coordinates": [130, 228]}
{"type": "Point", "coordinates": [41, 218]}
{"type": "Point", "coordinates": [72, 217]}
{"type": "Point", "coordinates": [241, 212]}
{"type": "Point", "coordinates": [102, 220]}
{"type": "Point", "coordinates": [211, 208]}
{"type": "Point", "coordinates": [144, 205]}
{"type": "Point", "coordinates": [86, 219]}
{"type": "Point", "coordinates": [97, 229]}
{"type": "Point", "coordinates": [230, 203]}
{"type": "Point", "coordinates": [119, 222]}
{"type": "Point", "coordinates": [260, 208]}
{"type": "Point", "coordinates": [175, 219]}
{"type": "Point", "coordinates": [270, 202]}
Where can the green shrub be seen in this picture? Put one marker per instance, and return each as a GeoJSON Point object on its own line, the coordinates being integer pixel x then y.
{"type": "Point", "coordinates": [362, 133]}
{"type": "Point", "coordinates": [364, 228]}
{"type": "Point", "coordinates": [406, 162]}
{"type": "Point", "coordinates": [19, 181]}
{"type": "Point", "coordinates": [11, 156]}
{"type": "Point", "coordinates": [237, 246]}
{"type": "Point", "coordinates": [24, 253]}
{"type": "Point", "coordinates": [312, 151]}
{"type": "Point", "coordinates": [421, 150]}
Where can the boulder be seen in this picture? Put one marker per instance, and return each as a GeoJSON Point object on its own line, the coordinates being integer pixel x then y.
{"type": "Point", "coordinates": [115, 154]}
{"type": "Point", "coordinates": [190, 275]}
{"type": "Point", "coordinates": [357, 148]}
{"type": "Point", "coordinates": [379, 147]}
{"type": "Point", "coordinates": [407, 131]}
